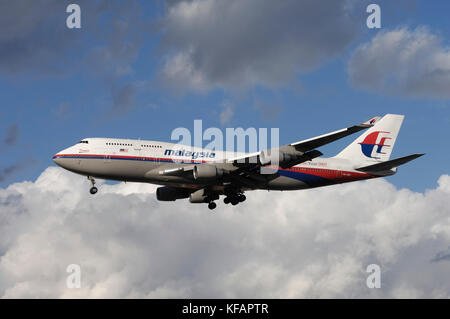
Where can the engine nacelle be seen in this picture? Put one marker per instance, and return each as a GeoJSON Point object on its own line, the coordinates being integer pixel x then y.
{"type": "Point", "coordinates": [170, 194]}
{"type": "Point", "coordinates": [198, 196]}
{"type": "Point", "coordinates": [202, 196]}
{"type": "Point", "coordinates": [207, 172]}
{"type": "Point", "coordinates": [267, 157]}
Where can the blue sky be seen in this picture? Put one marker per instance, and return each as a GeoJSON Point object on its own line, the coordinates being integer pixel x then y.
{"type": "Point", "coordinates": [60, 88]}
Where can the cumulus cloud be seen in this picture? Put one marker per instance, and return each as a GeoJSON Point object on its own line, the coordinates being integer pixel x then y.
{"type": "Point", "coordinates": [124, 97]}
{"type": "Point", "coordinates": [27, 35]}
{"type": "Point", "coordinates": [442, 256]}
{"type": "Point", "coordinates": [10, 170]}
{"type": "Point", "coordinates": [314, 243]}
{"type": "Point", "coordinates": [269, 111]}
{"type": "Point", "coordinates": [36, 40]}
{"type": "Point", "coordinates": [239, 43]}
{"type": "Point", "coordinates": [403, 62]}
{"type": "Point", "coordinates": [118, 44]}
{"type": "Point", "coordinates": [227, 112]}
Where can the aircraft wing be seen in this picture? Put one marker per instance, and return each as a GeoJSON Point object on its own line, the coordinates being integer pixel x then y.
{"type": "Point", "coordinates": [181, 171]}
{"type": "Point", "coordinates": [312, 143]}
{"type": "Point", "coordinates": [246, 171]}
{"type": "Point", "coordinates": [302, 151]}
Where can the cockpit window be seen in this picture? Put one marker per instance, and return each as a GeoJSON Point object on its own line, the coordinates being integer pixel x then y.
{"type": "Point", "coordinates": [83, 142]}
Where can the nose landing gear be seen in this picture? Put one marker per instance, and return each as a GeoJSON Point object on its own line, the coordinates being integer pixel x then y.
{"type": "Point", "coordinates": [93, 189]}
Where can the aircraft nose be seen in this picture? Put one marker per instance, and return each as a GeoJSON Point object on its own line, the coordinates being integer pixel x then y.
{"type": "Point", "coordinates": [56, 158]}
{"type": "Point", "coordinates": [60, 158]}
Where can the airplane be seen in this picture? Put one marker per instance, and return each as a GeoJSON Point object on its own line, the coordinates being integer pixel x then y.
{"type": "Point", "coordinates": [204, 175]}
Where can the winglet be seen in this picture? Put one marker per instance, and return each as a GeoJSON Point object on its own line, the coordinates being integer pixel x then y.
{"type": "Point", "coordinates": [371, 122]}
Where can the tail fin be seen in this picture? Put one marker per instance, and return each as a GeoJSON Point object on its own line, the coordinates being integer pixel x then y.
{"type": "Point", "coordinates": [377, 143]}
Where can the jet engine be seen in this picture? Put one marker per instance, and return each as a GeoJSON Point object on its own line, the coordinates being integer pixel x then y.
{"type": "Point", "coordinates": [207, 172]}
{"type": "Point", "coordinates": [280, 156]}
{"type": "Point", "coordinates": [270, 156]}
{"type": "Point", "coordinates": [198, 196]}
{"type": "Point", "coordinates": [202, 196]}
{"type": "Point", "coordinates": [167, 193]}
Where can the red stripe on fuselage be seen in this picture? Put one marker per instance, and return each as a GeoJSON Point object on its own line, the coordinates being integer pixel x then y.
{"type": "Point", "coordinates": [339, 176]}
{"type": "Point", "coordinates": [130, 157]}
{"type": "Point", "coordinates": [332, 174]}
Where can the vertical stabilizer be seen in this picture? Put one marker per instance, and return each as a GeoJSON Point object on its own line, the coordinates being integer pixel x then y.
{"type": "Point", "coordinates": [377, 143]}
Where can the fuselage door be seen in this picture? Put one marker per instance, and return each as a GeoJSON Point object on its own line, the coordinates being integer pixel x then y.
{"type": "Point", "coordinates": [107, 155]}
{"type": "Point", "coordinates": [137, 147]}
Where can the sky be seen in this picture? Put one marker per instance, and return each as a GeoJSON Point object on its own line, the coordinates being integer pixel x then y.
{"type": "Point", "coordinates": [139, 69]}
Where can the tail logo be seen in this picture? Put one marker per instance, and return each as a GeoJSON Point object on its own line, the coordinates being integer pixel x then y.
{"type": "Point", "coordinates": [369, 143]}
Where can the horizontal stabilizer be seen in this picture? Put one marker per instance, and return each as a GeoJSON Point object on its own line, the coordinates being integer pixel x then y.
{"type": "Point", "coordinates": [387, 165]}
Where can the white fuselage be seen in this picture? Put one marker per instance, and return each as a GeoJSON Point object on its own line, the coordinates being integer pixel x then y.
{"type": "Point", "coordinates": [142, 161]}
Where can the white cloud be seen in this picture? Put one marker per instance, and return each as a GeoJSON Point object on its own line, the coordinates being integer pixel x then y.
{"type": "Point", "coordinates": [412, 63]}
{"type": "Point", "coordinates": [314, 243]}
{"type": "Point", "coordinates": [235, 44]}
{"type": "Point", "coordinates": [35, 41]}
{"type": "Point", "coordinates": [227, 112]}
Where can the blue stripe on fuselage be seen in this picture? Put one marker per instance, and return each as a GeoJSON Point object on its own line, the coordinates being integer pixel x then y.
{"type": "Point", "coordinates": [309, 179]}
{"type": "Point", "coordinates": [141, 159]}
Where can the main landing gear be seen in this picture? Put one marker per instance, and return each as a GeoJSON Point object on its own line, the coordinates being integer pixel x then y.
{"type": "Point", "coordinates": [93, 189]}
{"type": "Point", "coordinates": [234, 199]}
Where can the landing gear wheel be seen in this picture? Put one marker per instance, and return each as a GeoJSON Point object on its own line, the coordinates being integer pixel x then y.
{"type": "Point", "coordinates": [242, 198]}
{"type": "Point", "coordinates": [212, 205]}
{"type": "Point", "coordinates": [234, 201]}
{"type": "Point", "coordinates": [93, 189]}
{"type": "Point", "coordinates": [226, 200]}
